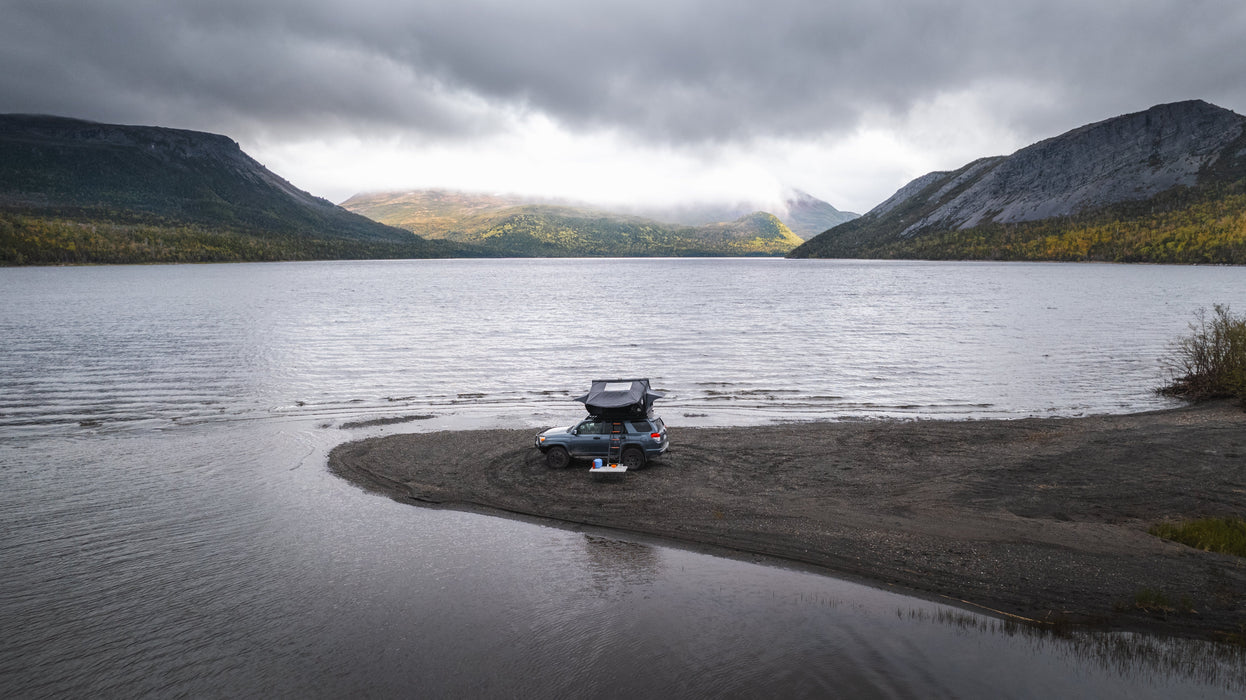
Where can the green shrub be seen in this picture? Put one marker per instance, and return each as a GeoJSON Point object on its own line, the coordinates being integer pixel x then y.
{"type": "Point", "coordinates": [1222, 535]}
{"type": "Point", "coordinates": [1211, 362]}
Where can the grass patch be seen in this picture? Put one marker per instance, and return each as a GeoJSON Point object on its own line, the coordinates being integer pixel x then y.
{"type": "Point", "coordinates": [1222, 535]}
{"type": "Point", "coordinates": [1210, 363]}
{"type": "Point", "coordinates": [1156, 602]}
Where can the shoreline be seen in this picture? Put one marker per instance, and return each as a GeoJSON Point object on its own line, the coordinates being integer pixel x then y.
{"type": "Point", "coordinates": [1041, 520]}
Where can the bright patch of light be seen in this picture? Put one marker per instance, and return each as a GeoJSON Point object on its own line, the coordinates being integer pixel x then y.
{"type": "Point", "coordinates": [537, 156]}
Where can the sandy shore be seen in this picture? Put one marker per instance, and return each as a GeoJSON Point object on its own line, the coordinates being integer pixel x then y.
{"type": "Point", "coordinates": [1043, 519]}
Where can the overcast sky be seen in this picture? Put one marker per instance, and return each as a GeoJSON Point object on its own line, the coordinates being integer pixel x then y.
{"type": "Point", "coordinates": [619, 101]}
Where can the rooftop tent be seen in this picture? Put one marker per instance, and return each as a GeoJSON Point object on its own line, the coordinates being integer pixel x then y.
{"type": "Point", "coordinates": [619, 396]}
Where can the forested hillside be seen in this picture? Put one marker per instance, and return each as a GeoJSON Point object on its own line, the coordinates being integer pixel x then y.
{"type": "Point", "coordinates": [73, 191]}
{"type": "Point", "coordinates": [507, 226]}
{"type": "Point", "coordinates": [1182, 226]}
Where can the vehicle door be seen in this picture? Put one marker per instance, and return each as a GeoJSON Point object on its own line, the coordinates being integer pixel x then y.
{"type": "Point", "coordinates": [591, 439]}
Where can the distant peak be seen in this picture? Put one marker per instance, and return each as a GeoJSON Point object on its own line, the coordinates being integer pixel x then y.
{"type": "Point", "coordinates": [1189, 105]}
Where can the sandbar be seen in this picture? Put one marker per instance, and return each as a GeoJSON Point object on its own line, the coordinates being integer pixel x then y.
{"type": "Point", "coordinates": [1042, 520]}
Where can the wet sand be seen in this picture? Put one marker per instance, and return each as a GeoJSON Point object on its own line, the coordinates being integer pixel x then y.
{"type": "Point", "coordinates": [1041, 519]}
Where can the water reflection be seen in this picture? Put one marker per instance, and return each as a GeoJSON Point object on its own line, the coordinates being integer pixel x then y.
{"type": "Point", "coordinates": [618, 564]}
{"type": "Point", "coordinates": [1137, 657]}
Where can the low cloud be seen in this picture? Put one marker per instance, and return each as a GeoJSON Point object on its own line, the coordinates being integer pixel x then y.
{"type": "Point", "coordinates": [694, 76]}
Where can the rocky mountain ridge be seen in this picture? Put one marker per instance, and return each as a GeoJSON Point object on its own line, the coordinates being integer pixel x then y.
{"type": "Point", "coordinates": [1116, 162]}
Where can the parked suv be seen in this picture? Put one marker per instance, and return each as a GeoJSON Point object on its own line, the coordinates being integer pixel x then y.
{"type": "Point", "coordinates": [643, 439]}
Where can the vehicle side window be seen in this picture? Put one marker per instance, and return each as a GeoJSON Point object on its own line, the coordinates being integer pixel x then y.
{"type": "Point", "coordinates": [641, 426]}
{"type": "Point", "coordinates": [589, 427]}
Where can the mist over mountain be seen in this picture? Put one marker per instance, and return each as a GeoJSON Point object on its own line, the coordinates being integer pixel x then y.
{"type": "Point", "coordinates": [1165, 185]}
{"type": "Point", "coordinates": [523, 226]}
{"type": "Point", "coordinates": [808, 216]}
{"type": "Point", "coordinates": [804, 214]}
{"type": "Point", "coordinates": [74, 191]}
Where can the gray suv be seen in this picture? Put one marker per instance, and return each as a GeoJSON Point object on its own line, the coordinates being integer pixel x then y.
{"type": "Point", "coordinates": [642, 440]}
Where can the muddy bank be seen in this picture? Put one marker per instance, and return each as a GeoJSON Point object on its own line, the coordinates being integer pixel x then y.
{"type": "Point", "coordinates": [1043, 519]}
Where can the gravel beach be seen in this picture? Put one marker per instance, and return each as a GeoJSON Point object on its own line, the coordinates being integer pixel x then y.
{"type": "Point", "coordinates": [1041, 519]}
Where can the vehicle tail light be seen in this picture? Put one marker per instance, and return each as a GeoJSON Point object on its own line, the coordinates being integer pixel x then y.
{"type": "Point", "coordinates": [655, 436]}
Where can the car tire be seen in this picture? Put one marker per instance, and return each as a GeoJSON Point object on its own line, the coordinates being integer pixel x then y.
{"type": "Point", "coordinates": [557, 458]}
{"type": "Point", "coordinates": [633, 458]}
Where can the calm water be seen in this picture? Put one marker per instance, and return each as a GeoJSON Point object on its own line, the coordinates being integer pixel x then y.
{"type": "Point", "coordinates": [167, 526]}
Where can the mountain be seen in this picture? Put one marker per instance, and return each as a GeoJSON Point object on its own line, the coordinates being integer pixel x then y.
{"type": "Point", "coordinates": [808, 216]}
{"type": "Point", "coordinates": [82, 192]}
{"type": "Point", "coordinates": [513, 226]}
{"type": "Point", "coordinates": [1164, 185]}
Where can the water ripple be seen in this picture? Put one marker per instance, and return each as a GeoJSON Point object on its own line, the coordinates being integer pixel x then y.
{"type": "Point", "coordinates": [162, 535]}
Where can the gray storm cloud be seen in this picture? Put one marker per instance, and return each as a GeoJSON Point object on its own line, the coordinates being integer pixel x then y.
{"type": "Point", "coordinates": [674, 71]}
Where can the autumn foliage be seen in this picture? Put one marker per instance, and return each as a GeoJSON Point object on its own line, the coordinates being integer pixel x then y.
{"type": "Point", "coordinates": [1210, 363]}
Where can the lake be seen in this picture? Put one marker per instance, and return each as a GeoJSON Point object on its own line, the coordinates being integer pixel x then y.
{"type": "Point", "coordinates": [168, 527]}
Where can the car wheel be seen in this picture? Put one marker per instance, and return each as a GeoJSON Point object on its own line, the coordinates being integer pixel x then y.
{"type": "Point", "coordinates": [557, 458]}
{"type": "Point", "coordinates": [633, 458]}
